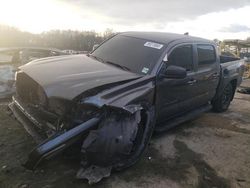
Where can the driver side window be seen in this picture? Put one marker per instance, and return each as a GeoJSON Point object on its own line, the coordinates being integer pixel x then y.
{"type": "Point", "coordinates": [182, 56]}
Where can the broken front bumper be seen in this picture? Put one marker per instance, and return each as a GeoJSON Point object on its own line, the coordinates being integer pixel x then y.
{"type": "Point", "coordinates": [50, 146]}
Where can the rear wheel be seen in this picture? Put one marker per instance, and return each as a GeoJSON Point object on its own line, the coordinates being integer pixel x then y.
{"type": "Point", "coordinates": [222, 103]}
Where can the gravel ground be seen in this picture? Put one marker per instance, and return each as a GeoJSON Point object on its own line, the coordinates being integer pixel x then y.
{"type": "Point", "coordinates": [211, 151]}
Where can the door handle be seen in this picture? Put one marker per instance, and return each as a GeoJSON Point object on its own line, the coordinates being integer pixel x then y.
{"type": "Point", "coordinates": [191, 82]}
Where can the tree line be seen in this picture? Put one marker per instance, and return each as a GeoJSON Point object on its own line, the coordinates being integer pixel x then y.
{"type": "Point", "coordinates": [61, 39]}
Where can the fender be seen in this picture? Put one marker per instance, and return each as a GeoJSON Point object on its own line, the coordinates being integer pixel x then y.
{"type": "Point", "coordinates": [125, 96]}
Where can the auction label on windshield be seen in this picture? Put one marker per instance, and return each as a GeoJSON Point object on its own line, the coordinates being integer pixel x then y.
{"type": "Point", "coordinates": [145, 70]}
{"type": "Point", "coordinates": [153, 45]}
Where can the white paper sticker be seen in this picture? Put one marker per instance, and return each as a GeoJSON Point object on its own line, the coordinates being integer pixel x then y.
{"type": "Point", "coordinates": [145, 70]}
{"type": "Point", "coordinates": [153, 45]}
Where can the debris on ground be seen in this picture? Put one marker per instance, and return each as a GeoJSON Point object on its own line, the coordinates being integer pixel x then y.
{"type": "Point", "coordinates": [23, 186]}
{"type": "Point", "coordinates": [4, 167]}
{"type": "Point", "coordinates": [93, 173]}
{"type": "Point", "coordinates": [244, 90]}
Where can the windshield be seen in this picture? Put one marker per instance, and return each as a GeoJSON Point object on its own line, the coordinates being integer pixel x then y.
{"type": "Point", "coordinates": [136, 55]}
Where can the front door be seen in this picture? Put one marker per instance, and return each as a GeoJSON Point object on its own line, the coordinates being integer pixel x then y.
{"type": "Point", "coordinates": [175, 96]}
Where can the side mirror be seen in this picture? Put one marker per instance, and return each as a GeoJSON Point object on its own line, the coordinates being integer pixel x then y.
{"type": "Point", "coordinates": [175, 72]}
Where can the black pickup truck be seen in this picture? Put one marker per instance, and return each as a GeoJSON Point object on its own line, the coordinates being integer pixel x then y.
{"type": "Point", "coordinates": [109, 102]}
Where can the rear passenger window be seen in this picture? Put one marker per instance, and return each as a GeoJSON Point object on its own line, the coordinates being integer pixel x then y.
{"type": "Point", "coordinates": [182, 56]}
{"type": "Point", "coordinates": [206, 55]}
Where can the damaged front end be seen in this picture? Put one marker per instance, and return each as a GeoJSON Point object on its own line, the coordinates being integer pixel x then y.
{"type": "Point", "coordinates": [50, 141]}
{"type": "Point", "coordinates": [114, 125]}
{"type": "Point", "coordinates": [109, 146]}
{"type": "Point", "coordinates": [48, 120]}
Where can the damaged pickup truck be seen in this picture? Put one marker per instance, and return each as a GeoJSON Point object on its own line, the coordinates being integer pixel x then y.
{"type": "Point", "coordinates": [113, 99]}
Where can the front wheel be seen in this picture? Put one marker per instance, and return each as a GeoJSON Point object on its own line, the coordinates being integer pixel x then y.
{"type": "Point", "coordinates": [222, 103]}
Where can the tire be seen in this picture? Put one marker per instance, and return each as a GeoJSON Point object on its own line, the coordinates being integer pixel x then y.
{"type": "Point", "coordinates": [222, 103]}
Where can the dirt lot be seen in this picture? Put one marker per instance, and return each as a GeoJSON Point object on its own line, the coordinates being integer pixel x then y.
{"type": "Point", "coordinates": [212, 151]}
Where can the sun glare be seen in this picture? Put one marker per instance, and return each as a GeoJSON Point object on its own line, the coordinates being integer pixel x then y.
{"type": "Point", "coordinates": [37, 16]}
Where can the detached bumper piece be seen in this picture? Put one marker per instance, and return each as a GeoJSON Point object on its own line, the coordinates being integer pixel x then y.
{"type": "Point", "coordinates": [29, 123]}
{"type": "Point", "coordinates": [53, 145]}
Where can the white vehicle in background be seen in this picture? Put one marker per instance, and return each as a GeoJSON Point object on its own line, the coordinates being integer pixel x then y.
{"type": "Point", "coordinates": [247, 60]}
{"type": "Point", "coordinates": [69, 51]}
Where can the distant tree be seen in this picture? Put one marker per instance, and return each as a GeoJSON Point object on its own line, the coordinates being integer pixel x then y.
{"type": "Point", "coordinates": [61, 39]}
{"type": "Point", "coordinates": [108, 33]}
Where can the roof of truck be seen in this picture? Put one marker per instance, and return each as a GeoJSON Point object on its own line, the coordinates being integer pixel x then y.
{"type": "Point", "coordinates": [165, 38]}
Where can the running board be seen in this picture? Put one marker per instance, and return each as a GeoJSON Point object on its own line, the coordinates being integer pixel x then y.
{"type": "Point", "coordinates": [186, 117]}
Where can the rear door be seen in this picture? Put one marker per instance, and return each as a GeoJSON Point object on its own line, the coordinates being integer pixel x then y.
{"type": "Point", "coordinates": [207, 72]}
{"type": "Point", "coordinates": [175, 96]}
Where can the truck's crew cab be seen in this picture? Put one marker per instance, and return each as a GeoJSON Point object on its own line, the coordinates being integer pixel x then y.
{"type": "Point", "coordinates": [113, 99]}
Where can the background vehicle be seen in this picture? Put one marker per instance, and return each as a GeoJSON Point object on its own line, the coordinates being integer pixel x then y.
{"type": "Point", "coordinates": [12, 58]}
{"type": "Point", "coordinates": [113, 99]}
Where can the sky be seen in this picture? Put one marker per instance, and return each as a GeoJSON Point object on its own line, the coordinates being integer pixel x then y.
{"type": "Point", "coordinates": [221, 19]}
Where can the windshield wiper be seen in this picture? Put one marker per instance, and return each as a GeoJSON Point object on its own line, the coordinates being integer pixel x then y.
{"type": "Point", "coordinates": [117, 65]}
{"type": "Point", "coordinates": [96, 58]}
{"type": "Point", "coordinates": [109, 62]}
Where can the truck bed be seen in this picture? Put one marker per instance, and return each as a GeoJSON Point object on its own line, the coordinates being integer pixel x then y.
{"type": "Point", "coordinates": [231, 72]}
{"type": "Point", "coordinates": [225, 59]}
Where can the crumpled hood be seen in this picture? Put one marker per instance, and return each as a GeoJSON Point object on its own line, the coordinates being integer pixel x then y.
{"type": "Point", "coordinates": [69, 76]}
